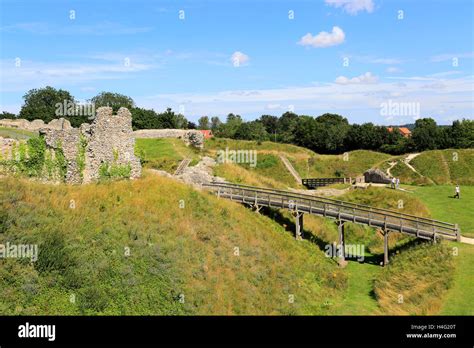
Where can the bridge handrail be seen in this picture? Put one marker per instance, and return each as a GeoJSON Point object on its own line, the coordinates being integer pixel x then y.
{"type": "Point", "coordinates": [343, 204]}
{"type": "Point", "coordinates": [294, 194]}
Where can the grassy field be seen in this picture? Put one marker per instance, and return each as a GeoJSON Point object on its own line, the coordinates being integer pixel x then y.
{"type": "Point", "coordinates": [460, 297]}
{"type": "Point", "coordinates": [164, 154]}
{"type": "Point", "coordinates": [439, 200]}
{"type": "Point", "coordinates": [14, 133]}
{"type": "Point", "coordinates": [222, 257]}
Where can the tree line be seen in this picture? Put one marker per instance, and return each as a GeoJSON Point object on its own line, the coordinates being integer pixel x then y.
{"type": "Point", "coordinates": [332, 133]}
{"type": "Point", "coordinates": [328, 133]}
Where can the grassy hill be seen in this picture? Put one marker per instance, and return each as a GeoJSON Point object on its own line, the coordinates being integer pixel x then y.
{"type": "Point", "coordinates": [447, 166]}
{"type": "Point", "coordinates": [271, 172]}
{"type": "Point", "coordinates": [439, 167]}
{"type": "Point", "coordinates": [173, 252]}
{"type": "Point", "coordinates": [164, 154]}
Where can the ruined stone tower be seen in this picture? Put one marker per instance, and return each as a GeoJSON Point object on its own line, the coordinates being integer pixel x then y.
{"type": "Point", "coordinates": [94, 148]}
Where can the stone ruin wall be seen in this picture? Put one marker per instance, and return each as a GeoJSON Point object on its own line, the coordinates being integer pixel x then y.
{"type": "Point", "coordinates": [108, 140]}
{"type": "Point", "coordinates": [190, 136]}
{"type": "Point", "coordinates": [35, 125]}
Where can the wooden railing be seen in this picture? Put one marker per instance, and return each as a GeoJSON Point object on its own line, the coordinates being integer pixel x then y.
{"type": "Point", "coordinates": [319, 182]}
{"type": "Point", "coordinates": [388, 220]}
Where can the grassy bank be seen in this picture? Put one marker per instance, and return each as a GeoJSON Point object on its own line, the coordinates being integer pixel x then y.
{"type": "Point", "coordinates": [132, 248]}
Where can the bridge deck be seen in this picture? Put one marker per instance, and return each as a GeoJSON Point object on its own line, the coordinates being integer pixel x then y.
{"type": "Point", "coordinates": [388, 220]}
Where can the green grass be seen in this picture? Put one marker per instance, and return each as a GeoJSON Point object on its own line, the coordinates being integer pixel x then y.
{"type": "Point", "coordinates": [443, 207]}
{"type": "Point", "coordinates": [164, 154]}
{"type": "Point", "coordinates": [18, 134]}
{"type": "Point", "coordinates": [352, 164]}
{"type": "Point", "coordinates": [173, 251]}
{"type": "Point", "coordinates": [416, 280]}
{"type": "Point", "coordinates": [446, 166]}
{"type": "Point", "coordinates": [215, 144]}
{"type": "Point", "coordinates": [459, 300]}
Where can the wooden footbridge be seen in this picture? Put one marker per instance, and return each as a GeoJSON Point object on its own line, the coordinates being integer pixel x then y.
{"type": "Point", "coordinates": [387, 221]}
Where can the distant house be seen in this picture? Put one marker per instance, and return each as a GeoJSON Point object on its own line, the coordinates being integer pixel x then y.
{"type": "Point", "coordinates": [207, 133]}
{"type": "Point", "coordinates": [404, 131]}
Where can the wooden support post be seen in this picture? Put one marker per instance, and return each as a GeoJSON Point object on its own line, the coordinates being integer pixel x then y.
{"type": "Point", "coordinates": [458, 233]}
{"type": "Point", "coordinates": [298, 225]}
{"type": "Point", "coordinates": [257, 208]}
{"type": "Point", "coordinates": [385, 247]}
{"type": "Point", "coordinates": [342, 244]}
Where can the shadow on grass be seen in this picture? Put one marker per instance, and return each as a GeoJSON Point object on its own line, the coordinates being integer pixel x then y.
{"type": "Point", "coordinates": [375, 259]}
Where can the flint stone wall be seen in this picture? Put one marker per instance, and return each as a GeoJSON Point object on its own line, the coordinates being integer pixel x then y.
{"type": "Point", "coordinates": [108, 139]}
{"type": "Point", "coordinates": [35, 125]}
{"type": "Point", "coordinates": [189, 136]}
{"type": "Point", "coordinates": [376, 176]}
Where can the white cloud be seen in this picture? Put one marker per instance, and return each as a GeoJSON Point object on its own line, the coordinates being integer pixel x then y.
{"type": "Point", "coordinates": [352, 6]}
{"type": "Point", "coordinates": [360, 102]}
{"type": "Point", "coordinates": [238, 59]}
{"type": "Point", "coordinates": [451, 56]}
{"type": "Point", "coordinates": [366, 78]}
{"type": "Point", "coordinates": [324, 39]}
{"type": "Point", "coordinates": [32, 74]}
{"type": "Point", "coordinates": [393, 70]}
{"type": "Point", "coordinates": [96, 29]}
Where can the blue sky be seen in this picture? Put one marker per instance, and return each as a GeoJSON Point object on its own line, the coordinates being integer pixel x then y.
{"type": "Point", "coordinates": [248, 57]}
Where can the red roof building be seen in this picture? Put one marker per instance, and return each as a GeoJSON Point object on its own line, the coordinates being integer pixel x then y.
{"type": "Point", "coordinates": [207, 133]}
{"type": "Point", "coordinates": [404, 131]}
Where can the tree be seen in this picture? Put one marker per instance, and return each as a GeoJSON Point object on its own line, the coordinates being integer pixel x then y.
{"type": "Point", "coordinates": [462, 134]}
{"type": "Point", "coordinates": [181, 121]}
{"type": "Point", "coordinates": [43, 104]}
{"type": "Point", "coordinates": [271, 124]}
{"type": "Point", "coordinates": [215, 123]}
{"type": "Point", "coordinates": [228, 129]}
{"type": "Point", "coordinates": [425, 134]}
{"type": "Point", "coordinates": [9, 115]}
{"type": "Point", "coordinates": [251, 131]}
{"type": "Point", "coordinates": [332, 133]}
{"type": "Point", "coordinates": [144, 119]}
{"type": "Point", "coordinates": [114, 100]}
{"type": "Point", "coordinates": [286, 125]}
{"type": "Point", "coordinates": [204, 122]}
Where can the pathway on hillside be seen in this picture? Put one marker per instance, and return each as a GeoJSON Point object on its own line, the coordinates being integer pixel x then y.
{"type": "Point", "coordinates": [392, 164]}
{"type": "Point", "coordinates": [408, 159]}
{"type": "Point", "coordinates": [291, 169]}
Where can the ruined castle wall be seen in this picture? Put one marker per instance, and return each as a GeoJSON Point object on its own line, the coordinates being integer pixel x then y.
{"type": "Point", "coordinates": [189, 136]}
{"type": "Point", "coordinates": [107, 141]}
{"type": "Point", "coordinates": [35, 125]}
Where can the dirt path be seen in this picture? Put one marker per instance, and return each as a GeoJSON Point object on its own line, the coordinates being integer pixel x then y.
{"type": "Point", "coordinates": [392, 164]}
{"type": "Point", "coordinates": [291, 169]}
{"type": "Point", "coordinates": [467, 240]}
{"type": "Point", "coordinates": [407, 160]}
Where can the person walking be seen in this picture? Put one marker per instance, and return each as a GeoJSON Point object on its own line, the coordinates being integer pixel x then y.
{"type": "Point", "coordinates": [457, 193]}
{"type": "Point", "coordinates": [397, 183]}
{"type": "Point", "coordinates": [392, 184]}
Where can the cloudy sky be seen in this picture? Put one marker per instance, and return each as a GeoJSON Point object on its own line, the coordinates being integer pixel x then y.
{"type": "Point", "coordinates": [251, 57]}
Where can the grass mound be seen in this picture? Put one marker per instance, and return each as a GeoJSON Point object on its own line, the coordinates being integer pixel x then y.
{"type": "Point", "coordinates": [164, 154]}
{"type": "Point", "coordinates": [416, 280]}
{"type": "Point", "coordinates": [153, 246]}
{"type": "Point", "coordinates": [447, 166]}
